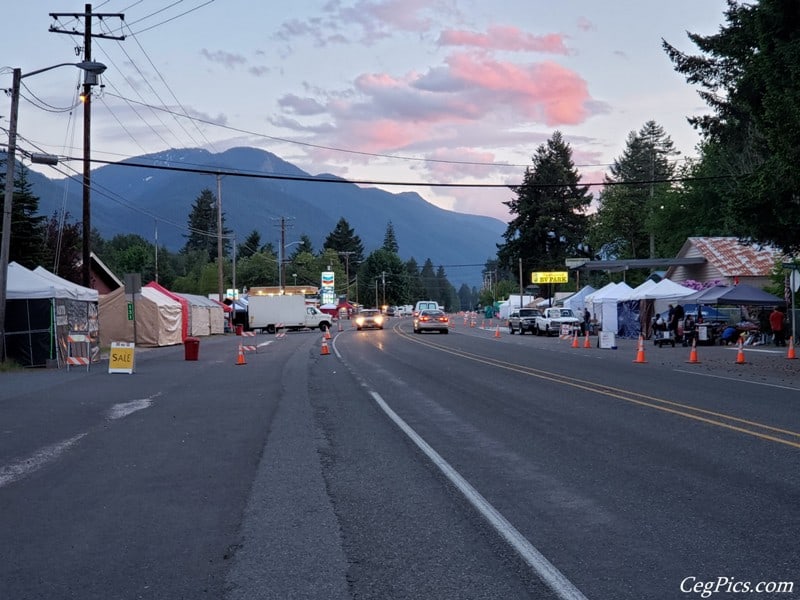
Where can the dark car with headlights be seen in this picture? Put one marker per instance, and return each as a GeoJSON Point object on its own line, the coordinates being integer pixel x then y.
{"type": "Point", "coordinates": [369, 318]}
{"type": "Point", "coordinates": [431, 320]}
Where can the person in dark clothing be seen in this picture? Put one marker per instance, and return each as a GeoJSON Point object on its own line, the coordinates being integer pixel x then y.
{"type": "Point", "coordinates": [776, 324]}
{"type": "Point", "coordinates": [689, 330]}
{"type": "Point", "coordinates": [676, 315]}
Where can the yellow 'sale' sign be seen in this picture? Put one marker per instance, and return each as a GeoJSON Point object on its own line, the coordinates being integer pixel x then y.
{"type": "Point", "coordinates": [549, 277]}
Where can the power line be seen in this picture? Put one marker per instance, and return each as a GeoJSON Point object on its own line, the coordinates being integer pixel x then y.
{"type": "Point", "coordinates": [339, 180]}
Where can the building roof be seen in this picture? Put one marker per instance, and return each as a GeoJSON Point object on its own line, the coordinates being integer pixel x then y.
{"type": "Point", "coordinates": [638, 263]}
{"type": "Point", "coordinates": [731, 257]}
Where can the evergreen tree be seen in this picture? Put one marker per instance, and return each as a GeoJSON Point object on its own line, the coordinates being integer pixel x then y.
{"type": "Point", "coordinates": [629, 206]}
{"type": "Point", "coordinates": [27, 245]}
{"type": "Point", "coordinates": [416, 291]}
{"type": "Point", "coordinates": [304, 247]}
{"type": "Point", "coordinates": [549, 220]}
{"type": "Point", "coordinates": [202, 237]}
{"type": "Point", "coordinates": [428, 280]}
{"type": "Point", "coordinates": [389, 239]}
{"type": "Point", "coordinates": [250, 245]}
{"type": "Point", "coordinates": [344, 240]}
{"type": "Point", "coordinates": [465, 297]}
{"type": "Point", "coordinates": [63, 241]}
{"type": "Point", "coordinates": [749, 75]}
{"type": "Point", "coordinates": [382, 279]}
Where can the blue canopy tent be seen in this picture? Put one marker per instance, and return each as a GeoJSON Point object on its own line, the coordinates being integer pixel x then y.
{"type": "Point", "coordinates": [734, 295]}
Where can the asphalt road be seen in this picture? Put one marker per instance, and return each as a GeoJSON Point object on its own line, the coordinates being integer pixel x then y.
{"type": "Point", "coordinates": [468, 465]}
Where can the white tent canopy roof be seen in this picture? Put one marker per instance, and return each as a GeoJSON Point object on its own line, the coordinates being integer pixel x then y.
{"type": "Point", "coordinates": [80, 292]}
{"type": "Point", "coordinates": [24, 284]}
{"type": "Point", "coordinates": [663, 290]}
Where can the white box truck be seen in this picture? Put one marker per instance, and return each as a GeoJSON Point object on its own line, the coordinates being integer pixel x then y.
{"type": "Point", "coordinates": [272, 313]}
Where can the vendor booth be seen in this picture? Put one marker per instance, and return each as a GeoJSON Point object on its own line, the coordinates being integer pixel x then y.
{"type": "Point", "coordinates": [158, 318]}
{"type": "Point", "coordinates": [42, 311]}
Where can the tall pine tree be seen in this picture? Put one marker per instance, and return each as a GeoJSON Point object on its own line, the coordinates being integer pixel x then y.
{"type": "Point", "coordinates": [625, 225]}
{"type": "Point", "coordinates": [549, 222]}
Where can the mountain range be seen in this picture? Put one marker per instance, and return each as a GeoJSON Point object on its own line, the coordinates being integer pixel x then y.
{"type": "Point", "coordinates": [156, 199]}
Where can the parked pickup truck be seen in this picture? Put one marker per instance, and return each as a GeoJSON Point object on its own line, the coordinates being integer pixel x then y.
{"type": "Point", "coordinates": [522, 320]}
{"type": "Point", "coordinates": [552, 319]}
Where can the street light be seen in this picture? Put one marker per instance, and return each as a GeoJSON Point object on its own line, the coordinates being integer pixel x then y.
{"type": "Point", "coordinates": [92, 69]}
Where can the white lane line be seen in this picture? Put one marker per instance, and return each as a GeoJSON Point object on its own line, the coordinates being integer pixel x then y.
{"type": "Point", "coordinates": [737, 380]}
{"type": "Point", "coordinates": [119, 411]}
{"type": "Point", "coordinates": [545, 570]}
{"type": "Point", "coordinates": [18, 470]}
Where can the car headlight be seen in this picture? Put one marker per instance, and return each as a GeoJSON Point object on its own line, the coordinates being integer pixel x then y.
{"type": "Point", "coordinates": [360, 321]}
{"type": "Point", "coordinates": [379, 320]}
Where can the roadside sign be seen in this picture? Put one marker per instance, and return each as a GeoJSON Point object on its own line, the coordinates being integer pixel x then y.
{"type": "Point", "coordinates": [120, 359]}
{"type": "Point", "coordinates": [130, 311]}
{"type": "Point", "coordinates": [549, 277]}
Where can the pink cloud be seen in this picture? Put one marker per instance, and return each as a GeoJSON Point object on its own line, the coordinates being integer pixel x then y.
{"type": "Point", "coordinates": [545, 92]}
{"type": "Point", "coordinates": [381, 134]}
{"type": "Point", "coordinates": [505, 38]}
{"type": "Point", "coordinates": [452, 164]}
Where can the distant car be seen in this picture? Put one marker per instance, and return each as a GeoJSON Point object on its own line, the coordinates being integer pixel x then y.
{"type": "Point", "coordinates": [369, 318]}
{"type": "Point", "coordinates": [431, 320]}
{"type": "Point", "coordinates": [425, 305]}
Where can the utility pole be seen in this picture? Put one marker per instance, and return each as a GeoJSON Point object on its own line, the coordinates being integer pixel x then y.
{"type": "Point", "coordinates": [87, 17]}
{"type": "Point", "coordinates": [220, 284]}
{"type": "Point", "coordinates": [346, 255]}
{"type": "Point", "coordinates": [156, 270]}
{"type": "Point", "coordinates": [282, 255]}
{"type": "Point", "coordinates": [282, 274]}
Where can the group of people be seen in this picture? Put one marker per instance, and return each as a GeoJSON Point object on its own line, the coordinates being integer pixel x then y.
{"type": "Point", "coordinates": [683, 327]}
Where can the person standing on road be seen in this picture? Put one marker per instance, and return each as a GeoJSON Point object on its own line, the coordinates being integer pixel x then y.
{"type": "Point", "coordinates": [776, 324]}
{"type": "Point", "coordinates": [675, 321]}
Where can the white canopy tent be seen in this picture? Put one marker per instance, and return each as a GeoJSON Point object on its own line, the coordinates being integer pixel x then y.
{"type": "Point", "coordinates": [603, 304]}
{"type": "Point", "coordinates": [42, 310]}
{"type": "Point", "coordinates": [577, 302]}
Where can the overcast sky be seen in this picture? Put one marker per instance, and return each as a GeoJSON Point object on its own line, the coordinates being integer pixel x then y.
{"type": "Point", "coordinates": [424, 91]}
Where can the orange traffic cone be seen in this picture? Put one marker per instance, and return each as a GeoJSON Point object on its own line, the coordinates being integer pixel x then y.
{"type": "Point", "coordinates": [790, 353]}
{"type": "Point", "coordinates": [340, 325]}
{"type": "Point", "coordinates": [324, 350]}
{"type": "Point", "coordinates": [586, 342]}
{"type": "Point", "coordinates": [640, 352]}
{"type": "Point", "coordinates": [240, 358]}
{"type": "Point", "coordinates": [575, 340]}
{"type": "Point", "coordinates": [740, 354]}
{"type": "Point", "coordinates": [693, 353]}
{"type": "Point", "coordinates": [497, 332]}
{"type": "Point", "coordinates": [327, 333]}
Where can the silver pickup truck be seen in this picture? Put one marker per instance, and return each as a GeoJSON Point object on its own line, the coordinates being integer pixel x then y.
{"type": "Point", "coordinates": [522, 320]}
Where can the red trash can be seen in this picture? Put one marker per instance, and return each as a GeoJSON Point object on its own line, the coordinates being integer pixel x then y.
{"type": "Point", "coordinates": [239, 329]}
{"type": "Point", "coordinates": [191, 348]}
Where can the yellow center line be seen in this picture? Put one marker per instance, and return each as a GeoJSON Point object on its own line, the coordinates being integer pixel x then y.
{"type": "Point", "coordinates": [668, 406]}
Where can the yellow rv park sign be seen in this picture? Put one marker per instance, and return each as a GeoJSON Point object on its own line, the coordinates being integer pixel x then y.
{"type": "Point", "coordinates": [549, 277]}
